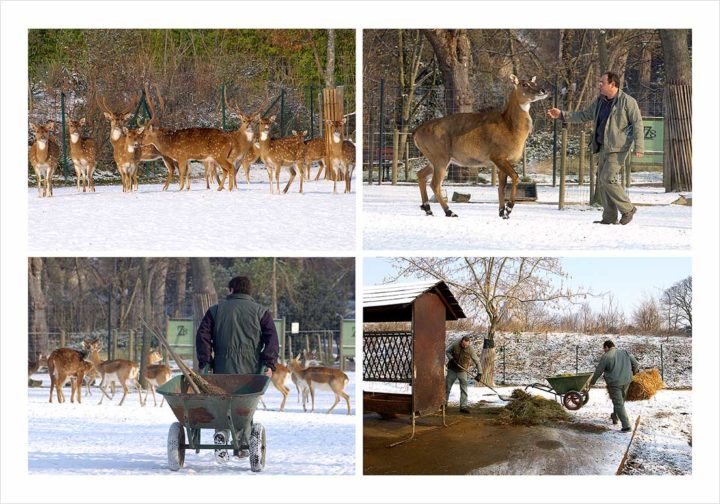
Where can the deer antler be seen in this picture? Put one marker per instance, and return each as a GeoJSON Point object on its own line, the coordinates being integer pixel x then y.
{"type": "Point", "coordinates": [101, 104]}
{"type": "Point", "coordinates": [262, 106]}
{"type": "Point", "coordinates": [133, 104]}
{"type": "Point", "coordinates": [155, 116]}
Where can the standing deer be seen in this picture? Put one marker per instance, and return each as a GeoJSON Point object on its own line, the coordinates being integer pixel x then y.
{"type": "Point", "coordinates": [65, 363]}
{"type": "Point", "coordinates": [83, 154]}
{"type": "Point", "coordinates": [35, 363]}
{"type": "Point", "coordinates": [278, 379]}
{"type": "Point", "coordinates": [315, 154]}
{"type": "Point", "coordinates": [118, 121]}
{"type": "Point", "coordinates": [119, 370]}
{"type": "Point", "coordinates": [44, 154]}
{"type": "Point", "coordinates": [473, 138]}
{"type": "Point", "coordinates": [320, 378]}
{"type": "Point", "coordinates": [276, 153]}
{"type": "Point", "coordinates": [155, 374]}
{"type": "Point", "coordinates": [338, 154]}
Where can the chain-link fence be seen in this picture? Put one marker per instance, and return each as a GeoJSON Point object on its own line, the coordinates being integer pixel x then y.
{"type": "Point", "coordinates": [387, 139]}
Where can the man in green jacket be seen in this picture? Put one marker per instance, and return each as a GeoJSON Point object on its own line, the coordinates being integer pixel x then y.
{"type": "Point", "coordinates": [617, 367]}
{"type": "Point", "coordinates": [461, 355]}
{"type": "Point", "coordinates": [236, 336]}
{"type": "Point", "coordinates": [617, 123]}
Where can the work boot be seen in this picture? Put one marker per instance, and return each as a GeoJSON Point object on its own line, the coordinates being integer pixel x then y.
{"type": "Point", "coordinates": [221, 454]}
{"type": "Point", "coordinates": [614, 418]}
{"type": "Point", "coordinates": [241, 453]}
{"type": "Point", "coordinates": [464, 410]}
{"type": "Point", "coordinates": [627, 217]}
{"type": "Point", "coordinates": [626, 429]}
{"type": "Point", "coordinates": [604, 222]}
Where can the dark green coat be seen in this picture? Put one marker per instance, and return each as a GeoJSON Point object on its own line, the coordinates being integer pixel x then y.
{"type": "Point", "coordinates": [237, 336]}
{"type": "Point", "coordinates": [617, 366]}
{"type": "Point", "coordinates": [624, 125]}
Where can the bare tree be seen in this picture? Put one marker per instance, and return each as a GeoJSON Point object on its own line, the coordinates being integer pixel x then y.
{"type": "Point", "coordinates": [646, 316]}
{"type": "Point", "coordinates": [452, 52]}
{"type": "Point", "coordinates": [204, 294]}
{"type": "Point", "coordinates": [490, 288]}
{"type": "Point", "coordinates": [38, 325]}
{"type": "Point", "coordinates": [677, 304]}
{"type": "Point", "coordinates": [611, 318]}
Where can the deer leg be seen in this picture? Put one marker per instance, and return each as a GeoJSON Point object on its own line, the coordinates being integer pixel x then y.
{"type": "Point", "coordinates": [59, 384]}
{"type": "Point", "coordinates": [312, 397]}
{"type": "Point", "coordinates": [139, 391]}
{"type": "Point", "coordinates": [246, 168]}
{"type": "Point", "coordinates": [302, 176]}
{"type": "Point", "coordinates": [422, 175]}
{"type": "Point", "coordinates": [125, 391]}
{"type": "Point", "coordinates": [228, 170]}
{"type": "Point", "coordinates": [170, 167]}
{"type": "Point", "coordinates": [52, 384]}
{"type": "Point", "coordinates": [505, 170]}
{"type": "Point", "coordinates": [285, 392]}
{"type": "Point", "coordinates": [436, 184]}
{"type": "Point", "coordinates": [91, 171]}
{"type": "Point", "coordinates": [337, 400]}
{"type": "Point", "coordinates": [347, 399]}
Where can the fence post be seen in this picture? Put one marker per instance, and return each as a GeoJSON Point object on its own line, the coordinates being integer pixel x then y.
{"type": "Point", "coordinates": [381, 143]}
{"type": "Point", "coordinates": [131, 344]}
{"type": "Point", "coordinates": [396, 140]}
{"type": "Point", "coordinates": [581, 165]}
{"type": "Point", "coordinates": [370, 147]}
{"type": "Point", "coordinates": [407, 158]}
{"type": "Point", "coordinates": [321, 349]}
{"type": "Point", "coordinates": [662, 363]}
{"type": "Point", "coordinates": [222, 102]}
{"type": "Point", "coordinates": [62, 135]}
{"type": "Point", "coordinates": [282, 112]}
{"type": "Point", "coordinates": [503, 362]}
{"type": "Point", "coordinates": [62, 338]}
{"type": "Point", "coordinates": [312, 112]}
{"type": "Point", "coordinates": [114, 343]}
{"type": "Point", "coordinates": [563, 167]}
{"type": "Point", "coordinates": [307, 342]}
{"type": "Point", "coordinates": [288, 339]}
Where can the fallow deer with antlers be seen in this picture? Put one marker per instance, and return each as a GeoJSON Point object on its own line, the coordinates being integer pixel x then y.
{"type": "Point", "coordinates": [83, 153]}
{"type": "Point", "coordinates": [44, 155]}
{"type": "Point", "coordinates": [318, 377]}
{"type": "Point", "coordinates": [473, 138]}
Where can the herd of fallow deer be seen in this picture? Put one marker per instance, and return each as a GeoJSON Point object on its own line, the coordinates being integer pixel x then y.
{"type": "Point", "coordinates": [65, 364]}
{"type": "Point", "coordinates": [177, 148]}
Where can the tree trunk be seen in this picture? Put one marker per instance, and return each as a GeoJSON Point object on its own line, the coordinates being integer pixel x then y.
{"type": "Point", "coordinates": [452, 51]}
{"type": "Point", "coordinates": [330, 67]}
{"type": "Point", "coordinates": [677, 158]}
{"type": "Point", "coordinates": [159, 291]}
{"type": "Point", "coordinates": [180, 290]}
{"type": "Point", "coordinates": [274, 287]}
{"type": "Point", "coordinates": [204, 295]}
{"type": "Point", "coordinates": [602, 52]}
{"type": "Point", "coordinates": [147, 288]}
{"type": "Point", "coordinates": [38, 340]}
{"type": "Point", "coordinates": [487, 357]}
{"type": "Point", "coordinates": [645, 75]}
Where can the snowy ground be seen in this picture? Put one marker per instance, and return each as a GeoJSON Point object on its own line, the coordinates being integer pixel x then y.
{"type": "Point", "coordinates": [198, 222]}
{"type": "Point", "coordinates": [92, 439]}
{"type": "Point", "coordinates": [393, 220]}
{"type": "Point", "coordinates": [661, 444]}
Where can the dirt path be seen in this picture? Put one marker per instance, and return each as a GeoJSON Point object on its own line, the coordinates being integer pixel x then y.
{"type": "Point", "coordinates": [475, 444]}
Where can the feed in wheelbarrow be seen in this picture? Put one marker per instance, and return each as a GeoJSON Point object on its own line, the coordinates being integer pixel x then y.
{"type": "Point", "coordinates": [527, 409]}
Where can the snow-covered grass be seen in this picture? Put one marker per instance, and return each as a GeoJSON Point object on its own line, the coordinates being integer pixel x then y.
{"type": "Point", "coordinates": [392, 220]}
{"type": "Point", "coordinates": [195, 222]}
{"type": "Point", "coordinates": [92, 439]}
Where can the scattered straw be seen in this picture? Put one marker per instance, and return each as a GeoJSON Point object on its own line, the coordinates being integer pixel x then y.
{"type": "Point", "coordinates": [527, 409]}
{"type": "Point", "coordinates": [644, 385]}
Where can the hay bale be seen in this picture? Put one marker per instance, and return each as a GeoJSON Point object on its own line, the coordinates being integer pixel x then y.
{"type": "Point", "coordinates": [527, 409]}
{"type": "Point", "coordinates": [644, 385]}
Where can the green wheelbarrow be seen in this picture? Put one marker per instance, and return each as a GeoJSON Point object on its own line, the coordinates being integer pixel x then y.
{"type": "Point", "coordinates": [232, 411]}
{"type": "Point", "coordinates": [571, 390]}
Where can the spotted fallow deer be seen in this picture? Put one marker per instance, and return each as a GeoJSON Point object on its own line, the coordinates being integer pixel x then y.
{"type": "Point", "coordinates": [83, 154]}
{"type": "Point", "coordinates": [155, 374]}
{"type": "Point", "coordinates": [276, 153]}
{"type": "Point", "coordinates": [318, 377]}
{"type": "Point", "coordinates": [119, 370]}
{"type": "Point", "coordinates": [278, 379]}
{"type": "Point", "coordinates": [474, 138]}
{"type": "Point", "coordinates": [118, 123]}
{"type": "Point", "coordinates": [64, 364]}
{"type": "Point", "coordinates": [337, 154]}
{"type": "Point", "coordinates": [44, 154]}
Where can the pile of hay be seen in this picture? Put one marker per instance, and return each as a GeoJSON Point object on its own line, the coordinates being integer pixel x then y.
{"type": "Point", "coordinates": [527, 409]}
{"type": "Point", "coordinates": [644, 385]}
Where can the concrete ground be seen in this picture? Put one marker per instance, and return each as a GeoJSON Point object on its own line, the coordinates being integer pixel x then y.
{"type": "Point", "coordinates": [477, 444]}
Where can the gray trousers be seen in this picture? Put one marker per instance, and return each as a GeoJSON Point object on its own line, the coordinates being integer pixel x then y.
{"type": "Point", "coordinates": [450, 381]}
{"type": "Point", "coordinates": [609, 193]}
{"type": "Point", "coordinates": [617, 396]}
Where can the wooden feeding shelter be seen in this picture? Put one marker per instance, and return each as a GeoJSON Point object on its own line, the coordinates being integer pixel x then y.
{"type": "Point", "coordinates": [415, 358]}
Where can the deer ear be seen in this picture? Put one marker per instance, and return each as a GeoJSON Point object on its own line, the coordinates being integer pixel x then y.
{"type": "Point", "coordinates": [127, 116]}
{"type": "Point", "coordinates": [343, 121]}
{"type": "Point", "coordinates": [514, 79]}
{"type": "Point", "coordinates": [272, 119]}
{"type": "Point", "coordinates": [82, 122]}
{"type": "Point", "coordinates": [294, 132]}
{"type": "Point", "coordinates": [141, 129]}
{"type": "Point", "coordinates": [125, 130]}
{"type": "Point", "coordinates": [533, 79]}
{"type": "Point", "coordinates": [108, 115]}
{"type": "Point", "coordinates": [304, 133]}
{"type": "Point", "coordinates": [50, 125]}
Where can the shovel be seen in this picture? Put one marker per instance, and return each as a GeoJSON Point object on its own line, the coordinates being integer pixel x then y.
{"type": "Point", "coordinates": [502, 397]}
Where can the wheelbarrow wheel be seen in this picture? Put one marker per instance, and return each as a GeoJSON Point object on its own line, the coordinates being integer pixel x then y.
{"type": "Point", "coordinates": [573, 400]}
{"type": "Point", "coordinates": [176, 446]}
{"type": "Point", "coordinates": [257, 448]}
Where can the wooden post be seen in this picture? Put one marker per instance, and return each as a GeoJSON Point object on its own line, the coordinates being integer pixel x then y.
{"type": "Point", "coordinates": [321, 348]}
{"type": "Point", "coordinates": [396, 142]}
{"type": "Point", "coordinates": [332, 111]}
{"type": "Point", "coordinates": [407, 159]}
{"type": "Point", "coordinates": [307, 342]}
{"type": "Point", "coordinates": [524, 160]}
{"type": "Point", "coordinates": [114, 344]}
{"type": "Point", "coordinates": [563, 167]}
{"type": "Point", "coordinates": [581, 166]}
{"type": "Point", "coordinates": [63, 338]}
{"type": "Point", "coordinates": [131, 345]}
{"type": "Point", "coordinates": [289, 349]}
